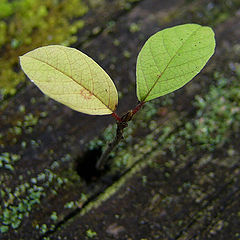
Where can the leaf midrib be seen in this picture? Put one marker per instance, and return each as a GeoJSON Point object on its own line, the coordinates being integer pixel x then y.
{"type": "Point", "coordinates": [70, 78]}
{"type": "Point", "coordinates": [168, 63]}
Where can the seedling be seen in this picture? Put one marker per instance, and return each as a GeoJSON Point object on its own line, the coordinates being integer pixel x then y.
{"type": "Point", "coordinates": [168, 60]}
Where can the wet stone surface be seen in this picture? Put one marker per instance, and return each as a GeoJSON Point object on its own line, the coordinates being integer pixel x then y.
{"type": "Point", "coordinates": [169, 179]}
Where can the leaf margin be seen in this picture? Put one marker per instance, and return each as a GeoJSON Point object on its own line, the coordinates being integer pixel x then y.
{"type": "Point", "coordinates": [110, 109]}
{"type": "Point", "coordinates": [147, 98]}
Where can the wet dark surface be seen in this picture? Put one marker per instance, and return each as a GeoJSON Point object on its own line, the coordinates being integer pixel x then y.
{"type": "Point", "coordinates": [183, 195]}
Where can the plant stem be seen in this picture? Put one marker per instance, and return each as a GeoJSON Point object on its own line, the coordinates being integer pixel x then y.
{"type": "Point", "coordinates": [119, 135]}
{"type": "Point", "coordinates": [137, 108]}
{"type": "Point", "coordinates": [117, 118]}
{"type": "Point", "coordinates": [121, 124]}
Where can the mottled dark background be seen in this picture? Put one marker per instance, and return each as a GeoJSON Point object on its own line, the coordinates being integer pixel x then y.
{"type": "Point", "coordinates": [175, 175]}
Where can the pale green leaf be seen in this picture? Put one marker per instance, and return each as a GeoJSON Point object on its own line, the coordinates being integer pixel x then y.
{"type": "Point", "coordinates": [171, 58]}
{"type": "Point", "coordinates": [72, 78]}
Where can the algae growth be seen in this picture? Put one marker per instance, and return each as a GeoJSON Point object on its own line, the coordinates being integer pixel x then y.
{"type": "Point", "coordinates": [28, 24]}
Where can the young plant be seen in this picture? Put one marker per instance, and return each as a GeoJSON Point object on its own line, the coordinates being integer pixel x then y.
{"type": "Point", "coordinates": [168, 60]}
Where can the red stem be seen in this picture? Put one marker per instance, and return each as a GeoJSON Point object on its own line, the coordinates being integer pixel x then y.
{"type": "Point", "coordinates": [137, 108]}
{"type": "Point", "coordinates": [134, 111]}
{"type": "Point", "coordinates": [118, 119]}
{"type": "Point", "coordinates": [121, 124]}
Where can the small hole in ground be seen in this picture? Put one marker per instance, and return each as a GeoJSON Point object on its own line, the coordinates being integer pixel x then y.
{"type": "Point", "coordinates": [86, 165]}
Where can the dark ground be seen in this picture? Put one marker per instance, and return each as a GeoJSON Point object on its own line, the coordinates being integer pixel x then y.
{"type": "Point", "coordinates": [166, 182]}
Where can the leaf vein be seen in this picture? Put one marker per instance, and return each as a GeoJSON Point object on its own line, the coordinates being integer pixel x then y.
{"type": "Point", "coordinates": [154, 84]}
{"type": "Point", "coordinates": [71, 78]}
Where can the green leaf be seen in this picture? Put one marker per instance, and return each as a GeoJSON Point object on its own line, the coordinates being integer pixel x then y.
{"type": "Point", "coordinates": [171, 58]}
{"type": "Point", "coordinates": [72, 78]}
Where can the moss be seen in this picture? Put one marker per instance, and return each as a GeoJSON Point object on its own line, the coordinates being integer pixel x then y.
{"type": "Point", "coordinates": [214, 12]}
{"type": "Point", "coordinates": [126, 54]}
{"type": "Point", "coordinates": [90, 233]}
{"type": "Point", "coordinates": [12, 214]}
{"type": "Point", "coordinates": [7, 161]}
{"type": "Point", "coordinates": [54, 216]}
{"type": "Point", "coordinates": [22, 123]}
{"type": "Point", "coordinates": [134, 27]}
{"type": "Point", "coordinates": [18, 203]}
{"type": "Point", "coordinates": [217, 118]}
{"type": "Point", "coordinates": [27, 20]}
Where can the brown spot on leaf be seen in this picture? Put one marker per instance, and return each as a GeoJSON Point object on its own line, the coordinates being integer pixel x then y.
{"type": "Point", "coordinates": [86, 94]}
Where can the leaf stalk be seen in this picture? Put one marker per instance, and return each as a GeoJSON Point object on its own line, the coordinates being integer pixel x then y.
{"type": "Point", "coordinates": [121, 124]}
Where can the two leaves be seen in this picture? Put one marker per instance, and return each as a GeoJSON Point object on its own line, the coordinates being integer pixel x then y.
{"type": "Point", "coordinates": [167, 61]}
